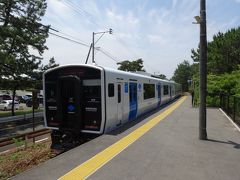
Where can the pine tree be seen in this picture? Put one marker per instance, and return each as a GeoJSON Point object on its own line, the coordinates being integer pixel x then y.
{"type": "Point", "coordinates": [223, 52]}
{"type": "Point", "coordinates": [132, 66]}
{"type": "Point", "coordinates": [22, 41]}
{"type": "Point", "coordinates": [182, 74]}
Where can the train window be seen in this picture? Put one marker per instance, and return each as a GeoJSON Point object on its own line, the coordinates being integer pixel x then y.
{"type": "Point", "coordinates": [50, 91]}
{"type": "Point", "coordinates": [110, 90]}
{"type": "Point", "coordinates": [165, 90]}
{"type": "Point", "coordinates": [119, 93]}
{"type": "Point", "coordinates": [149, 91]}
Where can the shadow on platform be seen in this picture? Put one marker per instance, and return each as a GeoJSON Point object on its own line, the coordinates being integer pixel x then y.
{"type": "Point", "coordinates": [234, 144]}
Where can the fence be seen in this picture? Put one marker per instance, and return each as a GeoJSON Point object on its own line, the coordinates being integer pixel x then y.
{"type": "Point", "coordinates": [231, 106]}
{"type": "Point", "coordinates": [20, 117]}
{"type": "Point", "coordinates": [10, 126]}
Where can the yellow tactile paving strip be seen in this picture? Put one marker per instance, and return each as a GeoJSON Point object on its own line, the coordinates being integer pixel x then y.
{"type": "Point", "coordinates": [90, 166]}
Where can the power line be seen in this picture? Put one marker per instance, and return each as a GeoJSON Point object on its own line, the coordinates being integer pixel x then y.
{"type": "Point", "coordinates": [109, 55]}
{"type": "Point", "coordinates": [77, 42]}
{"type": "Point", "coordinates": [73, 37]}
{"type": "Point", "coordinates": [79, 11]}
{"type": "Point", "coordinates": [103, 51]}
{"type": "Point", "coordinates": [66, 3]}
{"type": "Point", "coordinates": [63, 33]}
{"type": "Point", "coordinates": [83, 12]}
{"type": "Point", "coordinates": [76, 8]}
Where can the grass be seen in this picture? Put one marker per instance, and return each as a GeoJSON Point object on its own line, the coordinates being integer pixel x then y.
{"type": "Point", "coordinates": [20, 160]}
{"type": "Point", "coordinates": [18, 112]}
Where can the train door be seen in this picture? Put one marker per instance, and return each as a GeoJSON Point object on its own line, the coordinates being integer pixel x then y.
{"type": "Point", "coordinates": [133, 100]}
{"type": "Point", "coordinates": [159, 94]}
{"type": "Point", "coordinates": [120, 102]}
{"type": "Point", "coordinates": [69, 100]}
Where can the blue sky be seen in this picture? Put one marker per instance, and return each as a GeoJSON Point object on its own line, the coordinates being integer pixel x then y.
{"type": "Point", "coordinates": [158, 31]}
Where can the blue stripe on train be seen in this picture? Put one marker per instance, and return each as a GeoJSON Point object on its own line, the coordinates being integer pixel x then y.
{"type": "Point", "coordinates": [132, 101]}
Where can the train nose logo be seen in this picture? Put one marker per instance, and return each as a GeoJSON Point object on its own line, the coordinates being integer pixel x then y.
{"type": "Point", "coordinates": [71, 107]}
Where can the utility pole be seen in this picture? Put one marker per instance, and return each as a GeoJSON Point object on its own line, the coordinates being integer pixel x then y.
{"type": "Point", "coordinates": [110, 31]}
{"type": "Point", "coordinates": [88, 53]}
{"type": "Point", "coordinates": [203, 72]}
{"type": "Point", "coordinates": [93, 43]}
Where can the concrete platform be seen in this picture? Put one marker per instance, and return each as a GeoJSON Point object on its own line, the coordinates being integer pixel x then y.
{"type": "Point", "coordinates": [170, 150]}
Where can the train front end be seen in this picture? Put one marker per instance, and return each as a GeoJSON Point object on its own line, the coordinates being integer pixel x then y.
{"type": "Point", "coordinates": [74, 103]}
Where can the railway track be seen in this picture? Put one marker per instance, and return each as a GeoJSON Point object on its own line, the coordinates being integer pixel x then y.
{"type": "Point", "coordinates": [12, 128]}
{"type": "Point", "coordinates": [25, 137]}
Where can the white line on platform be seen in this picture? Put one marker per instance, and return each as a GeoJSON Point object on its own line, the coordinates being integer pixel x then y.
{"type": "Point", "coordinates": [230, 119]}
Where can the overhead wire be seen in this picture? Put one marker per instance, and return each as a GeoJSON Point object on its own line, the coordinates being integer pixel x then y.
{"type": "Point", "coordinates": [80, 11]}
{"type": "Point", "coordinates": [109, 55]}
{"type": "Point", "coordinates": [66, 3]}
{"type": "Point", "coordinates": [65, 34]}
{"type": "Point", "coordinates": [77, 42]}
{"type": "Point", "coordinates": [76, 8]}
{"type": "Point", "coordinates": [105, 52]}
{"type": "Point", "coordinates": [98, 49]}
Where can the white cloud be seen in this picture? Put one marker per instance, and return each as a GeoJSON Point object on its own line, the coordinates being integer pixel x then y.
{"type": "Point", "coordinates": [55, 8]}
{"type": "Point", "coordinates": [115, 17]}
{"type": "Point", "coordinates": [163, 36]}
{"type": "Point", "coordinates": [131, 19]}
{"type": "Point", "coordinates": [174, 4]}
{"type": "Point", "coordinates": [153, 38]}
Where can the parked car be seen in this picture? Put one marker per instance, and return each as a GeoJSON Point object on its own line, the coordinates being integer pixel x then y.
{"type": "Point", "coordinates": [25, 98]}
{"type": "Point", "coordinates": [5, 97]}
{"type": "Point", "coordinates": [7, 105]}
{"type": "Point", "coordinates": [39, 102]}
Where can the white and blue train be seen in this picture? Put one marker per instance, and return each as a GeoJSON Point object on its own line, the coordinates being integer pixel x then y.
{"type": "Point", "coordinates": [86, 99]}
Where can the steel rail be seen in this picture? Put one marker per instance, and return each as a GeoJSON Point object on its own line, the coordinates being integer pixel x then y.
{"type": "Point", "coordinates": [25, 136]}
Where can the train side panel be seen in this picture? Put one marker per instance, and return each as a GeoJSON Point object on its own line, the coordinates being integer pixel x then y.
{"type": "Point", "coordinates": [129, 96]}
{"type": "Point", "coordinates": [117, 100]}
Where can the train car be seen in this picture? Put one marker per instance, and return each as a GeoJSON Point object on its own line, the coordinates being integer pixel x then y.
{"type": "Point", "coordinates": [83, 100]}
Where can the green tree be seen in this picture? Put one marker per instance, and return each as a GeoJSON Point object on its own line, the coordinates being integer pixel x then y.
{"type": "Point", "coordinates": [51, 64]}
{"type": "Point", "coordinates": [133, 66]}
{"type": "Point", "coordinates": [195, 55]}
{"type": "Point", "coordinates": [22, 41]}
{"type": "Point", "coordinates": [227, 83]}
{"type": "Point", "coordinates": [223, 52]}
{"type": "Point", "coordinates": [37, 75]}
{"type": "Point", "coordinates": [160, 76]}
{"type": "Point", "coordinates": [182, 74]}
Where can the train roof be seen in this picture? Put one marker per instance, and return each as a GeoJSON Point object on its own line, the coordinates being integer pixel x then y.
{"type": "Point", "coordinates": [132, 74]}
{"type": "Point", "coordinates": [72, 65]}
{"type": "Point", "coordinates": [107, 69]}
